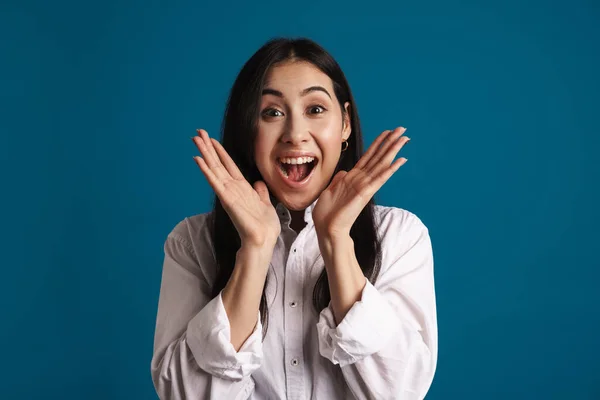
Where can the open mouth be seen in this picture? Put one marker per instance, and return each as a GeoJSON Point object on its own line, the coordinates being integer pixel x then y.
{"type": "Point", "coordinates": [297, 171]}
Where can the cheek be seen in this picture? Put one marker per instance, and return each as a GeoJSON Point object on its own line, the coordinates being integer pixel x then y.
{"type": "Point", "coordinates": [262, 151]}
{"type": "Point", "coordinates": [329, 128]}
{"type": "Point", "coordinates": [330, 138]}
{"type": "Point", "coordinates": [328, 124]}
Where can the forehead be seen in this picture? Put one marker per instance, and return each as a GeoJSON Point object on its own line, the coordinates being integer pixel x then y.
{"type": "Point", "coordinates": [292, 77]}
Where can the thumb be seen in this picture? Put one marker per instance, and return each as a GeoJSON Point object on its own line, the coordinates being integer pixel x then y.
{"type": "Point", "coordinates": [263, 192]}
{"type": "Point", "coordinates": [337, 178]}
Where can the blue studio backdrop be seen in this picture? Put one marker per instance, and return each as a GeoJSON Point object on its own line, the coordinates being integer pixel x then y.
{"type": "Point", "coordinates": [98, 103]}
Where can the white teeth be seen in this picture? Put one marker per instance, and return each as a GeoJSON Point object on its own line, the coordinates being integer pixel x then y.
{"type": "Point", "coordinates": [283, 171]}
{"type": "Point", "coordinates": [296, 160]}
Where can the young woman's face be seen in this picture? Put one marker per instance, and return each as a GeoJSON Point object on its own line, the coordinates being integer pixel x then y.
{"type": "Point", "coordinates": [300, 133]}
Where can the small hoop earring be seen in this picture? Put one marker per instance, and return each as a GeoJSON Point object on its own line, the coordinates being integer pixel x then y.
{"type": "Point", "coordinates": [344, 148]}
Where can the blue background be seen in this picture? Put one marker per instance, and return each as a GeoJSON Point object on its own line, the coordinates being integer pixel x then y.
{"type": "Point", "coordinates": [99, 100]}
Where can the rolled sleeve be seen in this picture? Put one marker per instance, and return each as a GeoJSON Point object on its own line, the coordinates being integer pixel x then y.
{"type": "Point", "coordinates": [193, 357]}
{"type": "Point", "coordinates": [209, 339]}
{"type": "Point", "coordinates": [386, 345]}
{"type": "Point", "coordinates": [366, 329]}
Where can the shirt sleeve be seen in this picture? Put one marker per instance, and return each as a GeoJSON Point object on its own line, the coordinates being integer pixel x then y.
{"type": "Point", "coordinates": [386, 345]}
{"type": "Point", "coordinates": [193, 356]}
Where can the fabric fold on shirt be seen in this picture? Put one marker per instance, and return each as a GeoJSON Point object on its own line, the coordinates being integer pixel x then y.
{"type": "Point", "coordinates": [366, 329]}
{"type": "Point", "coordinates": [386, 343]}
{"type": "Point", "coordinates": [209, 339]}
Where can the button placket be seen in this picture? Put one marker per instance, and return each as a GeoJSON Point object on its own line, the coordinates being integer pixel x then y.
{"type": "Point", "coordinates": [293, 338]}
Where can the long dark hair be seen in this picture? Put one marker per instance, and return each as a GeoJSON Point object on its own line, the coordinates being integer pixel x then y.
{"type": "Point", "coordinates": [238, 132]}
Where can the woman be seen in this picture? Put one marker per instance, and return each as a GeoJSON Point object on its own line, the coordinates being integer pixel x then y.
{"type": "Point", "coordinates": [296, 285]}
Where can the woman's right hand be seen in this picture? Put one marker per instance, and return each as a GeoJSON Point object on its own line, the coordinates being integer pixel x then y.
{"type": "Point", "coordinates": [249, 208]}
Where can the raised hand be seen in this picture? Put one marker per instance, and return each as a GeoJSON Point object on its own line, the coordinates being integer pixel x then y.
{"type": "Point", "coordinates": [249, 208]}
{"type": "Point", "coordinates": [349, 192]}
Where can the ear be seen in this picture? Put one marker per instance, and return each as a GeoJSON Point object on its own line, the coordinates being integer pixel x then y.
{"type": "Point", "coordinates": [347, 126]}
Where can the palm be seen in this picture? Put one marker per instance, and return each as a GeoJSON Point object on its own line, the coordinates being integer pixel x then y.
{"type": "Point", "coordinates": [349, 192]}
{"type": "Point", "coordinates": [247, 210]}
{"type": "Point", "coordinates": [250, 209]}
{"type": "Point", "coordinates": [342, 200]}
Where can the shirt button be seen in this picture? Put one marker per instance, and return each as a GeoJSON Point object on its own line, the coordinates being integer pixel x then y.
{"type": "Point", "coordinates": [294, 250]}
{"type": "Point", "coordinates": [293, 304]}
{"type": "Point", "coordinates": [294, 361]}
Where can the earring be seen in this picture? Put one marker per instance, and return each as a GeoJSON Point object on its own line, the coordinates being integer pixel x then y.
{"type": "Point", "coordinates": [345, 145]}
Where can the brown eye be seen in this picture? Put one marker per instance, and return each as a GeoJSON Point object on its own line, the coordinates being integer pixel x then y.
{"type": "Point", "coordinates": [272, 112]}
{"type": "Point", "coordinates": [317, 109]}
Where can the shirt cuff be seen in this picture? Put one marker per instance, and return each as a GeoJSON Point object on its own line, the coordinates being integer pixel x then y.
{"type": "Point", "coordinates": [367, 327]}
{"type": "Point", "coordinates": [209, 339]}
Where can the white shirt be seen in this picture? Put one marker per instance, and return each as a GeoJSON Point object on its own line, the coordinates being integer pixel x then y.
{"type": "Point", "coordinates": [384, 348]}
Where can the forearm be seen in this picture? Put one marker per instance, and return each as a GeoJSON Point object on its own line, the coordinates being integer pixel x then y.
{"type": "Point", "coordinates": [392, 330]}
{"type": "Point", "coordinates": [242, 294]}
{"type": "Point", "coordinates": [346, 279]}
{"type": "Point", "coordinates": [191, 358]}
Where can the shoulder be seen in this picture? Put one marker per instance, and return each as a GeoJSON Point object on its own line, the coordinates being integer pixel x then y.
{"type": "Point", "coordinates": [189, 252]}
{"type": "Point", "coordinates": [192, 235]}
{"type": "Point", "coordinates": [190, 228]}
{"type": "Point", "coordinates": [403, 236]}
{"type": "Point", "coordinates": [398, 221]}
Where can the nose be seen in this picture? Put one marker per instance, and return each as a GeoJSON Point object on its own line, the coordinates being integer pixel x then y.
{"type": "Point", "coordinates": [296, 131]}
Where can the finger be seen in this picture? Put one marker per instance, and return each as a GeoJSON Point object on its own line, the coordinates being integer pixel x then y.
{"type": "Point", "coordinates": [391, 141]}
{"type": "Point", "coordinates": [202, 146]}
{"type": "Point", "coordinates": [388, 172]}
{"type": "Point", "coordinates": [227, 161]}
{"type": "Point", "coordinates": [372, 149]}
{"type": "Point", "coordinates": [338, 177]}
{"type": "Point", "coordinates": [212, 179]}
{"type": "Point", "coordinates": [263, 191]}
{"type": "Point", "coordinates": [389, 156]}
{"type": "Point", "coordinates": [210, 155]}
{"type": "Point", "coordinates": [204, 135]}
{"type": "Point", "coordinates": [207, 156]}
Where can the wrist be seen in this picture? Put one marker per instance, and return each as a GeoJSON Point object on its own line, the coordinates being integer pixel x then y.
{"type": "Point", "coordinates": [329, 233]}
{"type": "Point", "coordinates": [256, 254]}
{"type": "Point", "coordinates": [331, 243]}
{"type": "Point", "coordinates": [332, 237]}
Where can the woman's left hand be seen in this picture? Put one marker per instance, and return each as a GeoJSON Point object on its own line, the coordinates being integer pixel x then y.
{"type": "Point", "coordinates": [349, 192]}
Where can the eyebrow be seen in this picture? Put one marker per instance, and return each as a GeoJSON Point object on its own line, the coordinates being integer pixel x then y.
{"type": "Point", "coordinates": [302, 93]}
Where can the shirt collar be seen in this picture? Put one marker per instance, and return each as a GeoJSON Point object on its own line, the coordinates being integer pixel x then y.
{"type": "Point", "coordinates": [285, 216]}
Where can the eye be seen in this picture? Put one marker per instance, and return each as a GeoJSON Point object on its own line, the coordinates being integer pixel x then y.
{"type": "Point", "coordinates": [317, 109]}
{"type": "Point", "coordinates": [272, 112]}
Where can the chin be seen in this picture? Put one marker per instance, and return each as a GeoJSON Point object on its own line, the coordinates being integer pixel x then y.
{"type": "Point", "coordinates": [296, 201]}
